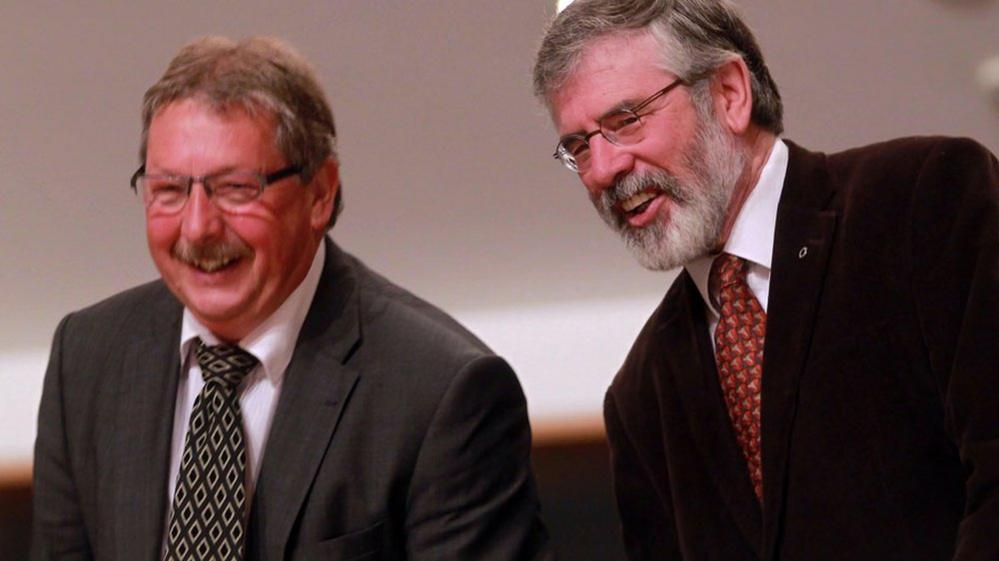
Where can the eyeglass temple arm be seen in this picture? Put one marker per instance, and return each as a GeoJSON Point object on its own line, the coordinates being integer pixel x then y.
{"type": "Point", "coordinates": [135, 177]}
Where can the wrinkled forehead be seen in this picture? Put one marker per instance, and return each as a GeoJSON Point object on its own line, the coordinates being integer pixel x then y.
{"type": "Point", "coordinates": [231, 110]}
{"type": "Point", "coordinates": [188, 136]}
{"type": "Point", "coordinates": [610, 71]}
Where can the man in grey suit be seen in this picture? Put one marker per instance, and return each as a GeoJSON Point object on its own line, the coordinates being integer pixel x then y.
{"type": "Point", "coordinates": [270, 397]}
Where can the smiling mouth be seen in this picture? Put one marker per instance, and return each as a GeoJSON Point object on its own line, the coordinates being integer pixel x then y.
{"type": "Point", "coordinates": [210, 257]}
{"type": "Point", "coordinates": [637, 204]}
{"type": "Point", "coordinates": [213, 265]}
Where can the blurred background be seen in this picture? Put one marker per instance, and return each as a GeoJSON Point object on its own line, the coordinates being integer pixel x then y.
{"type": "Point", "coordinates": [449, 185]}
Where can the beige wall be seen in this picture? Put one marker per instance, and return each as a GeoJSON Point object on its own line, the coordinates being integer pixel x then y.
{"type": "Point", "coordinates": [449, 186]}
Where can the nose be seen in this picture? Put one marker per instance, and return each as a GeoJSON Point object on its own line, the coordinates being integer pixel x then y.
{"type": "Point", "coordinates": [202, 220]}
{"type": "Point", "coordinates": [608, 164]}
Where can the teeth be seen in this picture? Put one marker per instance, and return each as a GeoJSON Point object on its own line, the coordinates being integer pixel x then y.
{"type": "Point", "coordinates": [637, 201]}
{"type": "Point", "coordinates": [212, 265]}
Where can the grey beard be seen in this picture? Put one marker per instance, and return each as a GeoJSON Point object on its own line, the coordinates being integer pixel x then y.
{"type": "Point", "coordinates": [696, 210]}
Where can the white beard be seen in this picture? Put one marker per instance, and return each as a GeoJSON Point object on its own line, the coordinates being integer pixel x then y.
{"type": "Point", "coordinates": [697, 209]}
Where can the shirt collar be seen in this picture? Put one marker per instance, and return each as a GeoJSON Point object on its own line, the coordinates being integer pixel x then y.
{"type": "Point", "coordinates": [752, 236]}
{"type": "Point", "coordinates": [273, 341]}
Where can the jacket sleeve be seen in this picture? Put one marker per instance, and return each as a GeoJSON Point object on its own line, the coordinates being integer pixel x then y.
{"type": "Point", "coordinates": [955, 245]}
{"type": "Point", "coordinates": [647, 528]}
{"type": "Point", "coordinates": [472, 495]}
{"type": "Point", "coordinates": [58, 529]}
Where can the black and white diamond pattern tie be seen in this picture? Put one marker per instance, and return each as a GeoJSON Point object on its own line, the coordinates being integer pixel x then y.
{"type": "Point", "coordinates": [209, 505]}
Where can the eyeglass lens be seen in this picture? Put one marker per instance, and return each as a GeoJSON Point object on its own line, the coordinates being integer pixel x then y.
{"type": "Point", "coordinates": [166, 194]}
{"type": "Point", "coordinates": [622, 128]}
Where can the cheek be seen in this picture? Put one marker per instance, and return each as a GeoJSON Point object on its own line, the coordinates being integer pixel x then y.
{"type": "Point", "coordinates": [161, 233]}
{"type": "Point", "coordinates": [658, 151]}
{"type": "Point", "coordinates": [265, 235]}
{"type": "Point", "coordinates": [287, 244]}
{"type": "Point", "coordinates": [592, 192]}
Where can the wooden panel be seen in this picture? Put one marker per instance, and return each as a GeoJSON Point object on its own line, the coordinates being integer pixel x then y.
{"type": "Point", "coordinates": [577, 503]}
{"type": "Point", "coordinates": [571, 467]}
{"type": "Point", "coordinates": [15, 520]}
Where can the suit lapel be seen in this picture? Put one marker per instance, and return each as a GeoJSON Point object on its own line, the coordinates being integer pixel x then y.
{"type": "Point", "coordinates": [804, 234]}
{"type": "Point", "coordinates": [146, 398]}
{"type": "Point", "coordinates": [689, 356]}
{"type": "Point", "coordinates": [315, 390]}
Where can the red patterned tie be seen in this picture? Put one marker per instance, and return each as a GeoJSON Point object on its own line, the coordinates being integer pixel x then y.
{"type": "Point", "coordinates": [739, 356]}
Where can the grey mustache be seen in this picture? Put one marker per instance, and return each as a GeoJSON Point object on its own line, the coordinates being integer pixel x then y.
{"type": "Point", "coordinates": [216, 251]}
{"type": "Point", "coordinates": [634, 183]}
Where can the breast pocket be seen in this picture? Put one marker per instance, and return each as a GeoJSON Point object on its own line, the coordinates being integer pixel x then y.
{"type": "Point", "coordinates": [362, 545]}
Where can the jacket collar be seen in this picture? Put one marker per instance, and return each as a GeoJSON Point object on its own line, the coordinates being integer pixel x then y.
{"type": "Point", "coordinates": [316, 388]}
{"type": "Point", "coordinates": [806, 224]}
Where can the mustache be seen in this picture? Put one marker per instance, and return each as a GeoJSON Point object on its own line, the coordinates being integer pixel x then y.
{"type": "Point", "coordinates": [221, 251]}
{"type": "Point", "coordinates": [634, 183]}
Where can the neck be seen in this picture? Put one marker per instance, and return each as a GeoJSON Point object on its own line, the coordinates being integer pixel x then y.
{"type": "Point", "coordinates": [757, 145]}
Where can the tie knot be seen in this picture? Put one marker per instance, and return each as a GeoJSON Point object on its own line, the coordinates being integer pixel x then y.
{"type": "Point", "coordinates": [225, 364]}
{"type": "Point", "coordinates": [726, 271]}
{"type": "Point", "coordinates": [729, 269]}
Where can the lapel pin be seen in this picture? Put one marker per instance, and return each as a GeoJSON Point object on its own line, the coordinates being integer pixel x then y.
{"type": "Point", "coordinates": [803, 252]}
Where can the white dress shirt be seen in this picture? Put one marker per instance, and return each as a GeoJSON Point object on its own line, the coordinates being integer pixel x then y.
{"type": "Point", "coordinates": [752, 236]}
{"type": "Point", "coordinates": [272, 343]}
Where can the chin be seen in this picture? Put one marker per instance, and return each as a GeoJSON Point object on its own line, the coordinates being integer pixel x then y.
{"type": "Point", "coordinates": [210, 307]}
{"type": "Point", "coordinates": [665, 245]}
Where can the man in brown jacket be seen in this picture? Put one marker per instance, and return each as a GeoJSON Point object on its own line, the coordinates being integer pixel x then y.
{"type": "Point", "coordinates": [820, 380]}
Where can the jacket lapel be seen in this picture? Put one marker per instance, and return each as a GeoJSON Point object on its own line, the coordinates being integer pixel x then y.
{"type": "Point", "coordinates": [316, 388]}
{"type": "Point", "coordinates": [802, 241]}
{"type": "Point", "coordinates": [689, 356]}
{"type": "Point", "coordinates": [146, 398]}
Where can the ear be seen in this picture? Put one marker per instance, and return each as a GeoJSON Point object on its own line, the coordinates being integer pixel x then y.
{"type": "Point", "coordinates": [326, 184]}
{"type": "Point", "coordinates": [733, 95]}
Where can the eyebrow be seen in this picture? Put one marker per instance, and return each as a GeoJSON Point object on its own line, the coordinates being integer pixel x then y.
{"type": "Point", "coordinates": [623, 105]}
{"type": "Point", "coordinates": [220, 171]}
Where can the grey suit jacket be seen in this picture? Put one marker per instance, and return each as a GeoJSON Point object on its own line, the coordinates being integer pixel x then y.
{"type": "Point", "coordinates": [398, 434]}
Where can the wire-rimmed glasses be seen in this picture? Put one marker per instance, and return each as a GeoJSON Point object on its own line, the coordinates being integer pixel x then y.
{"type": "Point", "coordinates": [621, 127]}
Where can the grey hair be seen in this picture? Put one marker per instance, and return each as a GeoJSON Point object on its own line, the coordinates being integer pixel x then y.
{"type": "Point", "coordinates": [695, 37]}
{"type": "Point", "coordinates": [257, 74]}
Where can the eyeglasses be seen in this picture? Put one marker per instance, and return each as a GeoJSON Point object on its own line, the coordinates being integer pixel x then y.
{"type": "Point", "coordinates": [621, 127]}
{"type": "Point", "coordinates": [230, 190]}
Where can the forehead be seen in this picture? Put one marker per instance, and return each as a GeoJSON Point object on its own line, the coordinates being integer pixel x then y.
{"type": "Point", "coordinates": [192, 133]}
{"type": "Point", "coordinates": [611, 70]}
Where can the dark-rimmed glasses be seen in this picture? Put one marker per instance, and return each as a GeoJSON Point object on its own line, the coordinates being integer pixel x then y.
{"type": "Point", "coordinates": [229, 190]}
{"type": "Point", "coordinates": [621, 127]}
